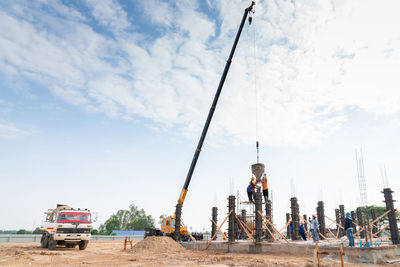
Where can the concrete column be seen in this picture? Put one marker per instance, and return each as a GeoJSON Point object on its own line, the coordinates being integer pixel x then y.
{"type": "Point", "coordinates": [268, 215]}
{"type": "Point", "coordinates": [321, 217]}
{"type": "Point", "coordinates": [360, 221]}
{"type": "Point", "coordinates": [342, 219]}
{"type": "Point", "coordinates": [353, 218]}
{"type": "Point", "coordinates": [288, 235]}
{"type": "Point", "coordinates": [305, 225]}
{"type": "Point", "coordinates": [295, 218]}
{"type": "Point", "coordinates": [214, 216]}
{"type": "Point", "coordinates": [231, 220]}
{"type": "Point", "coordinates": [243, 218]}
{"type": "Point", "coordinates": [258, 217]}
{"type": "Point", "coordinates": [178, 214]}
{"type": "Point", "coordinates": [394, 230]}
{"type": "Point", "coordinates": [337, 219]}
{"type": "Point", "coordinates": [373, 216]}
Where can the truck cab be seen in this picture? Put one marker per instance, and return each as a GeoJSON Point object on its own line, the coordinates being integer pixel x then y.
{"type": "Point", "coordinates": [65, 226]}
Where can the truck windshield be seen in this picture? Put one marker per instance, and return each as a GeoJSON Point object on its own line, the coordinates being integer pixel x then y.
{"type": "Point", "coordinates": [74, 217]}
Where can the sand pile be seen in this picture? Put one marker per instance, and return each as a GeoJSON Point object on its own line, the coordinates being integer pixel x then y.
{"type": "Point", "coordinates": [158, 244]}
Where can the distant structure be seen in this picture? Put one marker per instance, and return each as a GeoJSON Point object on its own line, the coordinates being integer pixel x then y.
{"type": "Point", "coordinates": [361, 178]}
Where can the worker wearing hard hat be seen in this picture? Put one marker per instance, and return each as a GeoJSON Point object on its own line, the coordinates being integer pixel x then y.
{"type": "Point", "coordinates": [264, 184]}
{"type": "Point", "coordinates": [251, 189]}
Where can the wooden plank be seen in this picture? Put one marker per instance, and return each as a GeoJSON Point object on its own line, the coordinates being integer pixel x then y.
{"type": "Point", "coordinates": [382, 229]}
{"type": "Point", "coordinates": [341, 254]}
{"type": "Point", "coordinates": [380, 217]}
{"type": "Point", "coordinates": [318, 254]}
{"type": "Point", "coordinates": [244, 228]}
{"type": "Point", "coordinates": [334, 222]}
{"type": "Point", "coordinates": [222, 234]}
{"type": "Point", "coordinates": [266, 228]}
{"type": "Point", "coordinates": [306, 223]}
{"type": "Point", "coordinates": [273, 227]}
{"type": "Point", "coordinates": [219, 229]}
{"type": "Point", "coordinates": [248, 228]}
{"type": "Point", "coordinates": [359, 231]}
{"type": "Point", "coordinates": [330, 231]}
{"type": "Point", "coordinates": [191, 237]}
{"type": "Point", "coordinates": [323, 236]}
{"type": "Point", "coordinates": [284, 227]}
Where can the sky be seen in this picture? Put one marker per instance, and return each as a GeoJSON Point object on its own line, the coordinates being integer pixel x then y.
{"type": "Point", "coordinates": [102, 104]}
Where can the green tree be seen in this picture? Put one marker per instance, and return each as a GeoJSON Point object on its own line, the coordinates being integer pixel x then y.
{"type": "Point", "coordinates": [23, 232]}
{"type": "Point", "coordinates": [379, 210]}
{"type": "Point", "coordinates": [37, 231]}
{"type": "Point", "coordinates": [132, 219]}
{"type": "Point", "coordinates": [94, 232]}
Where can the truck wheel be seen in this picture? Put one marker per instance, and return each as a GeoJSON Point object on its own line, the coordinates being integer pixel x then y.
{"type": "Point", "coordinates": [83, 244]}
{"type": "Point", "coordinates": [52, 243]}
{"type": "Point", "coordinates": [44, 241]}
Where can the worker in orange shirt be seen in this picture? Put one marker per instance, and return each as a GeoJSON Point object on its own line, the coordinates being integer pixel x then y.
{"type": "Point", "coordinates": [264, 184]}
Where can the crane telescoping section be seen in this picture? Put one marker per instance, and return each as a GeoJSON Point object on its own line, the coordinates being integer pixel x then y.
{"type": "Point", "coordinates": [184, 191]}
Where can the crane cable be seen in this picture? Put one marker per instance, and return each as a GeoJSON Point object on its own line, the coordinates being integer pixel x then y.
{"type": "Point", "coordinates": [255, 85]}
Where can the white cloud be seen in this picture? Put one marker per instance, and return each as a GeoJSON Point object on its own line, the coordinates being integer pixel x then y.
{"type": "Point", "coordinates": [153, 9]}
{"type": "Point", "coordinates": [315, 61]}
{"type": "Point", "coordinates": [9, 130]}
{"type": "Point", "coordinates": [109, 13]}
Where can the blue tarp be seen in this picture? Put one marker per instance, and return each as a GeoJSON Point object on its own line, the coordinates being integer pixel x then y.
{"type": "Point", "coordinates": [128, 232]}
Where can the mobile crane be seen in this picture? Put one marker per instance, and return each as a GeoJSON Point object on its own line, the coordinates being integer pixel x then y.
{"type": "Point", "coordinates": [167, 224]}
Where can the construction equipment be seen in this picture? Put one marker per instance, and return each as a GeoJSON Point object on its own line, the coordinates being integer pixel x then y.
{"type": "Point", "coordinates": [178, 210]}
{"type": "Point", "coordinates": [167, 229]}
{"type": "Point", "coordinates": [172, 226]}
{"type": "Point", "coordinates": [65, 226]}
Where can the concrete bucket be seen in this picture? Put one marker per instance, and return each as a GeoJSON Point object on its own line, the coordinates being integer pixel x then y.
{"type": "Point", "coordinates": [258, 170]}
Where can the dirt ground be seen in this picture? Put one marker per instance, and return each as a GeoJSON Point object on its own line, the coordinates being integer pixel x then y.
{"type": "Point", "coordinates": [111, 253]}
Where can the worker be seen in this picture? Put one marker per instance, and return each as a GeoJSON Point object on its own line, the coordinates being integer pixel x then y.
{"type": "Point", "coordinates": [264, 184]}
{"type": "Point", "coordinates": [251, 189]}
{"type": "Point", "coordinates": [302, 231]}
{"type": "Point", "coordinates": [311, 226]}
{"type": "Point", "coordinates": [348, 227]}
{"type": "Point", "coordinates": [315, 228]}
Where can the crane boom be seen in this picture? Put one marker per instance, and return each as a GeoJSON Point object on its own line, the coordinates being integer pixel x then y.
{"type": "Point", "coordinates": [207, 124]}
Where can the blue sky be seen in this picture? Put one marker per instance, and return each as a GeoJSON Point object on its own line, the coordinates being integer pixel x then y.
{"type": "Point", "coordinates": [102, 104]}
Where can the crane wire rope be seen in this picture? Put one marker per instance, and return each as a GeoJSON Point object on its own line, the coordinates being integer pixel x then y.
{"type": "Point", "coordinates": [255, 88]}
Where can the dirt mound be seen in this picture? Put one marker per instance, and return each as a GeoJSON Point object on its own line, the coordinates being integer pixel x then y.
{"type": "Point", "coordinates": [159, 244]}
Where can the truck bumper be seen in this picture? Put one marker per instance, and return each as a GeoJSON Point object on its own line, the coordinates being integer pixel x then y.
{"type": "Point", "coordinates": [71, 237]}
